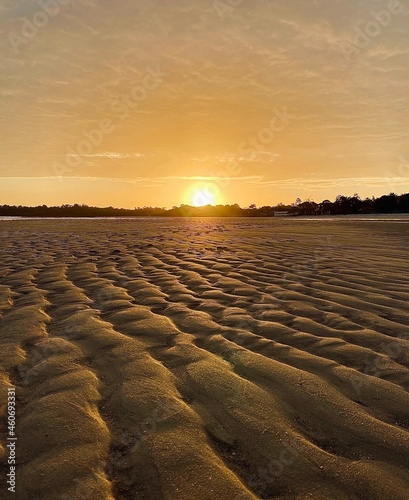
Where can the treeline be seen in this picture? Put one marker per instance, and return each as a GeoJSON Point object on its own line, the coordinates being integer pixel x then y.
{"type": "Point", "coordinates": [343, 205]}
{"type": "Point", "coordinates": [349, 205]}
{"type": "Point", "coordinates": [78, 211]}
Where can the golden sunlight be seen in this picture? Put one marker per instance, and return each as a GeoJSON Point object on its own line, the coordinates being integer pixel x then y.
{"type": "Point", "coordinates": [203, 194]}
{"type": "Point", "coordinates": [202, 197]}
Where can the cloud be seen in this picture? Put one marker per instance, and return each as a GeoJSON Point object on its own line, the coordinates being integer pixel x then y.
{"type": "Point", "coordinates": [134, 180]}
{"type": "Point", "coordinates": [308, 184]}
{"type": "Point", "coordinates": [224, 78]}
{"type": "Point", "coordinates": [255, 156]}
{"type": "Point", "coordinates": [248, 178]}
{"type": "Point", "coordinates": [115, 155]}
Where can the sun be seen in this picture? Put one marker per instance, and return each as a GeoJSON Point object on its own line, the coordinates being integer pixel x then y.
{"type": "Point", "coordinates": [202, 194]}
{"type": "Point", "coordinates": [202, 197]}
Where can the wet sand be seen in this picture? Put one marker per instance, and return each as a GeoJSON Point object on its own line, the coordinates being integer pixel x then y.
{"type": "Point", "coordinates": [206, 358]}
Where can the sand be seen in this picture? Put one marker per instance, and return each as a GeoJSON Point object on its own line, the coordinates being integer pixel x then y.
{"type": "Point", "coordinates": [206, 358]}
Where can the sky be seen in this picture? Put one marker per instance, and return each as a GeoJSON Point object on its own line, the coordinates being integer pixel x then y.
{"type": "Point", "coordinates": [158, 102]}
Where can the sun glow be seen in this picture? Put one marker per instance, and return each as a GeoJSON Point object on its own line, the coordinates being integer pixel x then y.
{"type": "Point", "coordinates": [200, 195]}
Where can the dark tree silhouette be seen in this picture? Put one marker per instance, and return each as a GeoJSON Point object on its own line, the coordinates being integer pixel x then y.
{"type": "Point", "coordinates": [343, 205]}
{"type": "Point", "coordinates": [387, 204]}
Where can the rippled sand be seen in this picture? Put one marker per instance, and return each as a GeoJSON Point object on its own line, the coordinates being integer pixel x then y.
{"type": "Point", "coordinates": [206, 359]}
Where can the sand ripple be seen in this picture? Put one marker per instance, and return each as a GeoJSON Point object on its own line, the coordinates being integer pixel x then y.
{"type": "Point", "coordinates": [206, 359]}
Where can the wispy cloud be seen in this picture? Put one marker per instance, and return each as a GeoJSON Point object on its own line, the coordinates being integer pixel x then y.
{"type": "Point", "coordinates": [115, 155]}
{"type": "Point", "coordinates": [254, 156]}
{"type": "Point", "coordinates": [79, 179]}
{"type": "Point", "coordinates": [207, 178]}
{"type": "Point", "coordinates": [308, 184]}
{"type": "Point", "coordinates": [224, 76]}
{"type": "Point", "coordinates": [136, 180]}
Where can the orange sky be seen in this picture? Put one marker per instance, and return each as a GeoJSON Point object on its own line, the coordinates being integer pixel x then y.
{"type": "Point", "coordinates": [157, 102]}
